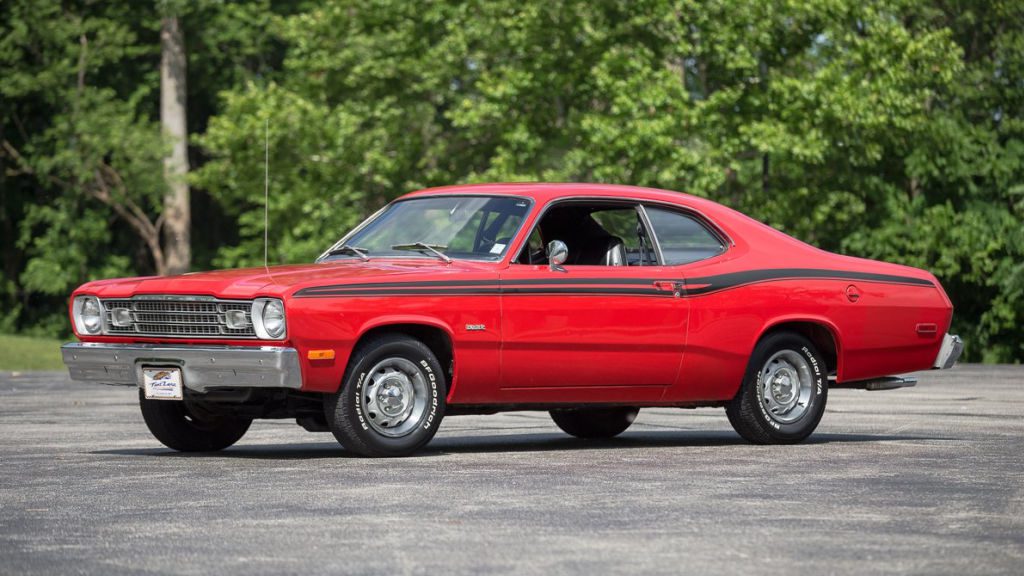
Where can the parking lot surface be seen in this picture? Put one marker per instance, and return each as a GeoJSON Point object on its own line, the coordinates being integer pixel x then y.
{"type": "Point", "coordinates": [926, 480]}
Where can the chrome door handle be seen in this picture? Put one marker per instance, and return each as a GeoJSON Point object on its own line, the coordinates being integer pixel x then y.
{"type": "Point", "coordinates": [676, 288]}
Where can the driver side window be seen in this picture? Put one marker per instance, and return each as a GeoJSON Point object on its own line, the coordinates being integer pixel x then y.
{"type": "Point", "coordinates": [597, 234]}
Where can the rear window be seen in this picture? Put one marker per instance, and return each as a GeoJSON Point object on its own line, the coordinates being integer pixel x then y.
{"type": "Point", "coordinates": [682, 238]}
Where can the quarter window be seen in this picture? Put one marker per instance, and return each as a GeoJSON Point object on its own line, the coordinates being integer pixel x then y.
{"type": "Point", "coordinates": [682, 238]}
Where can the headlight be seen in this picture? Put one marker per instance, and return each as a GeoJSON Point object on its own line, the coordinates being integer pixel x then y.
{"type": "Point", "coordinates": [268, 318]}
{"type": "Point", "coordinates": [88, 315]}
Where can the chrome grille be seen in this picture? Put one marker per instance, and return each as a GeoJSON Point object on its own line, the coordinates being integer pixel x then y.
{"type": "Point", "coordinates": [177, 317]}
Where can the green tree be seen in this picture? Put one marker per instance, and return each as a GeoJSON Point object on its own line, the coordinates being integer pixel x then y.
{"type": "Point", "coordinates": [82, 189]}
{"type": "Point", "coordinates": [79, 155]}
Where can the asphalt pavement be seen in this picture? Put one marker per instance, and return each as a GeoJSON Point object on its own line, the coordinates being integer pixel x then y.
{"type": "Point", "coordinates": [926, 480]}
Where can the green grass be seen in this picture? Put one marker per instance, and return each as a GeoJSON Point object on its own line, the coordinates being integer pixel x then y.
{"type": "Point", "coordinates": [19, 353]}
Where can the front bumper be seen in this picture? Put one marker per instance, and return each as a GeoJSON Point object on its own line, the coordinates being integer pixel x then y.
{"type": "Point", "coordinates": [949, 353]}
{"type": "Point", "coordinates": [202, 367]}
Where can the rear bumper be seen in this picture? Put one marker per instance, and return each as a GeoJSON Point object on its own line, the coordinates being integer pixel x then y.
{"type": "Point", "coordinates": [203, 367]}
{"type": "Point", "coordinates": [949, 353]}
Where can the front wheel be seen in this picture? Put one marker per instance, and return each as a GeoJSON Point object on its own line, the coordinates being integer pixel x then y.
{"type": "Point", "coordinates": [392, 399]}
{"type": "Point", "coordinates": [783, 394]}
{"type": "Point", "coordinates": [594, 423]}
{"type": "Point", "coordinates": [188, 429]}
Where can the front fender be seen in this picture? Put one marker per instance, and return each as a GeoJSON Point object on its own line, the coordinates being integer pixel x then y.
{"type": "Point", "coordinates": [397, 319]}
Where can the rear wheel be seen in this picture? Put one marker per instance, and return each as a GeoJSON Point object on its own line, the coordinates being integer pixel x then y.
{"type": "Point", "coordinates": [186, 428]}
{"type": "Point", "coordinates": [392, 399]}
{"type": "Point", "coordinates": [783, 394]}
{"type": "Point", "coordinates": [594, 422]}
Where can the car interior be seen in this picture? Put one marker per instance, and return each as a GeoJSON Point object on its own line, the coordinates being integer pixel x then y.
{"type": "Point", "coordinates": [614, 234]}
{"type": "Point", "coordinates": [595, 234]}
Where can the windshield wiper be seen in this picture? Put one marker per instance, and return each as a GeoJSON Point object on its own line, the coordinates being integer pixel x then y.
{"type": "Point", "coordinates": [434, 249]}
{"type": "Point", "coordinates": [347, 249]}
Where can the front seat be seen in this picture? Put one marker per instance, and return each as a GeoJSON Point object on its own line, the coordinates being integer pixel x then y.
{"type": "Point", "coordinates": [602, 251]}
{"type": "Point", "coordinates": [588, 242]}
{"type": "Point", "coordinates": [615, 252]}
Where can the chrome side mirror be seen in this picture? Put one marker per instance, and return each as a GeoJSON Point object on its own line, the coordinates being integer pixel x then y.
{"type": "Point", "coordinates": [557, 252]}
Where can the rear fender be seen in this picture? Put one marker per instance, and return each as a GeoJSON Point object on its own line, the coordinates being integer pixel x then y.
{"type": "Point", "coordinates": [833, 331]}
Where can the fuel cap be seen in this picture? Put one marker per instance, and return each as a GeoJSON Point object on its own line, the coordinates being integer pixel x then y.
{"type": "Point", "coordinates": [852, 293]}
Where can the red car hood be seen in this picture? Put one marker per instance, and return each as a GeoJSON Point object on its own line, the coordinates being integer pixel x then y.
{"type": "Point", "coordinates": [280, 280]}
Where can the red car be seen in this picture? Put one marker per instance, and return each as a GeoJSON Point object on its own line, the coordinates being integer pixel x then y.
{"type": "Point", "coordinates": [589, 301]}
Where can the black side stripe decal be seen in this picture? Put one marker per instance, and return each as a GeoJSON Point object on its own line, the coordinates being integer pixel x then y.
{"type": "Point", "coordinates": [708, 284]}
{"type": "Point", "coordinates": [450, 283]}
{"type": "Point", "coordinates": [695, 286]}
{"type": "Point", "coordinates": [491, 291]}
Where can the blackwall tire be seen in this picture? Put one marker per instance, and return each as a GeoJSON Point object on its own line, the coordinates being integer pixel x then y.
{"type": "Point", "coordinates": [179, 428]}
{"type": "Point", "coordinates": [784, 391]}
{"type": "Point", "coordinates": [392, 399]}
{"type": "Point", "coordinates": [594, 423]}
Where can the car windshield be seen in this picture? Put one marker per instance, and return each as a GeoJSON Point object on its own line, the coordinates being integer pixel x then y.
{"type": "Point", "coordinates": [443, 227]}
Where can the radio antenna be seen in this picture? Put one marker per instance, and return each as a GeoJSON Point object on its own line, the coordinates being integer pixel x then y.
{"type": "Point", "coordinates": [266, 190]}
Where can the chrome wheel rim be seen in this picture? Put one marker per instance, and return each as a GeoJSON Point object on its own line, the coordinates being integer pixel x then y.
{"type": "Point", "coordinates": [786, 386]}
{"type": "Point", "coordinates": [394, 397]}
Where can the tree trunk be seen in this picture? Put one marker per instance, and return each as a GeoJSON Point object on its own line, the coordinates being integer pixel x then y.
{"type": "Point", "coordinates": [177, 214]}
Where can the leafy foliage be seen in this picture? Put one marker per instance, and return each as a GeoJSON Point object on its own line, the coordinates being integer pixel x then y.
{"type": "Point", "coordinates": [885, 130]}
{"type": "Point", "coordinates": [81, 143]}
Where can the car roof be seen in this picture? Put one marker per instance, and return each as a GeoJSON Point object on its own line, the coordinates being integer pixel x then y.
{"type": "Point", "coordinates": [735, 226]}
{"type": "Point", "coordinates": [543, 192]}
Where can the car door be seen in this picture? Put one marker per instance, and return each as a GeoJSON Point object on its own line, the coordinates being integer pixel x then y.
{"type": "Point", "coordinates": [593, 326]}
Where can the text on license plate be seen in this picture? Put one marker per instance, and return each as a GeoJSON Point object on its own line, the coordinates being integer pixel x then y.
{"type": "Point", "coordinates": [162, 383]}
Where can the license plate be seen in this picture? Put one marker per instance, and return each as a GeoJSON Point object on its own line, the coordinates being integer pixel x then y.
{"type": "Point", "coordinates": [162, 383]}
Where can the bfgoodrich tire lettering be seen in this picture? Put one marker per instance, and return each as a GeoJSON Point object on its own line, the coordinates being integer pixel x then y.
{"type": "Point", "coordinates": [784, 390]}
{"type": "Point", "coordinates": [392, 399]}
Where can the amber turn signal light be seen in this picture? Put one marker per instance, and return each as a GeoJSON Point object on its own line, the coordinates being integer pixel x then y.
{"type": "Point", "coordinates": [320, 355]}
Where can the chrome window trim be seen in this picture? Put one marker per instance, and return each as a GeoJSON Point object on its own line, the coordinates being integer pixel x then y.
{"type": "Point", "coordinates": [700, 217]}
{"type": "Point", "coordinates": [650, 232]}
{"type": "Point", "coordinates": [569, 199]}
